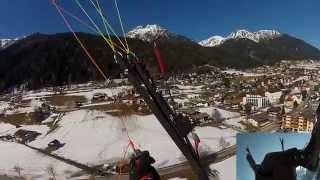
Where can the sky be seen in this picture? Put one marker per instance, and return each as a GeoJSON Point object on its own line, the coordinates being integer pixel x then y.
{"type": "Point", "coordinates": [197, 20]}
{"type": "Point", "coordinates": [262, 143]}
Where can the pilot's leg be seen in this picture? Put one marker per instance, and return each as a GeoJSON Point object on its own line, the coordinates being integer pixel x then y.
{"type": "Point", "coordinates": [288, 158]}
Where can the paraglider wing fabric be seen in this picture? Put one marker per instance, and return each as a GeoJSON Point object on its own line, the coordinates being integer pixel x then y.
{"type": "Point", "coordinates": [159, 59]}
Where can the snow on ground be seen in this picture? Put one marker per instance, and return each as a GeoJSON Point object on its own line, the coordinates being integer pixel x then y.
{"type": "Point", "coordinates": [109, 91]}
{"type": "Point", "coordinates": [188, 87]}
{"type": "Point", "coordinates": [242, 73]}
{"type": "Point", "coordinates": [8, 129]}
{"type": "Point", "coordinates": [185, 89]}
{"type": "Point", "coordinates": [192, 95]}
{"type": "Point", "coordinates": [235, 122]}
{"type": "Point", "coordinates": [37, 94]}
{"type": "Point", "coordinates": [43, 129]}
{"type": "Point", "coordinates": [32, 163]}
{"type": "Point", "coordinates": [232, 118]}
{"type": "Point", "coordinates": [226, 168]}
{"type": "Point", "coordinates": [34, 103]}
{"type": "Point", "coordinates": [94, 137]}
{"type": "Point", "coordinates": [95, 104]}
{"type": "Point", "coordinates": [178, 100]}
{"type": "Point", "coordinates": [3, 105]}
{"type": "Point", "coordinates": [102, 137]}
{"type": "Point", "coordinates": [210, 137]}
{"type": "Point", "coordinates": [50, 119]}
{"type": "Point", "coordinates": [5, 128]}
{"type": "Point", "coordinates": [20, 110]}
{"type": "Point", "coordinates": [314, 65]}
{"type": "Point", "coordinates": [87, 93]}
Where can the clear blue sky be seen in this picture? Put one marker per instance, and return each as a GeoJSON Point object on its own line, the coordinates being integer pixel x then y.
{"type": "Point", "coordinates": [262, 143]}
{"type": "Point", "coordinates": [195, 19]}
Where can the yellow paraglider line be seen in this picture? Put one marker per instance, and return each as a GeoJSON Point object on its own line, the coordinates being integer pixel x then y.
{"type": "Point", "coordinates": [110, 43]}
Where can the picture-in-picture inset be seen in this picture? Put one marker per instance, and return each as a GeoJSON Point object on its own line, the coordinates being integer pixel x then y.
{"type": "Point", "coordinates": [275, 156]}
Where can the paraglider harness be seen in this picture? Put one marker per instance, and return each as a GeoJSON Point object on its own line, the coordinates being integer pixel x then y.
{"type": "Point", "coordinates": [140, 78]}
{"type": "Point", "coordinates": [283, 164]}
{"type": "Point", "coordinates": [141, 167]}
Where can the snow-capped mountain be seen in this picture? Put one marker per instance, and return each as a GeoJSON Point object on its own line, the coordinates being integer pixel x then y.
{"type": "Point", "coordinates": [6, 42]}
{"type": "Point", "coordinates": [241, 34]}
{"type": "Point", "coordinates": [153, 32]}
{"type": "Point", "coordinates": [212, 41]}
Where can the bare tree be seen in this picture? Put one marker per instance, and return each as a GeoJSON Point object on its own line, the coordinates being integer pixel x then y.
{"type": "Point", "coordinates": [18, 170]}
{"type": "Point", "coordinates": [51, 171]}
{"type": "Point", "coordinates": [248, 108]}
{"type": "Point", "coordinates": [295, 104]}
{"type": "Point", "coordinates": [216, 115]}
{"type": "Point", "coordinates": [223, 143]}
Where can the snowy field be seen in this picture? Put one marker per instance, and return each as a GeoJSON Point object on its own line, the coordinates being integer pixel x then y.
{"type": "Point", "coordinates": [109, 91]}
{"type": "Point", "coordinates": [226, 168]}
{"type": "Point", "coordinates": [313, 65]}
{"type": "Point", "coordinates": [94, 137]}
{"type": "Point", "coordinates": [87, 93]}
{"type": "Point", "coordinates": [242, 73]}
{"type": "Point", "coordinates": [232, 118]}
{"type": "Point", "coordinates": [184, 89]}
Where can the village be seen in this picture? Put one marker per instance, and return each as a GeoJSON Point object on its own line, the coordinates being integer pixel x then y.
{"type": "Point", "coordinates": [218, 102]}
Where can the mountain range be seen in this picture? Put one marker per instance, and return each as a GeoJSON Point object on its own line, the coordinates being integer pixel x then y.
{"type": "Point", "coordinates": [44, 60]}
{"type": "Point", "coordinates": [150, 33]}
{"type": "Point", "coordinates": [242, 34]}
{"type": "Point", "coordinates": [6, 42]}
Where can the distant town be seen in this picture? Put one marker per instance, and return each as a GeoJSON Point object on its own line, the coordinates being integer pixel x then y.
{"type": "Point", "coordinates": [279, 98]}
{"type": "Point", "coordinates": [218, 102]}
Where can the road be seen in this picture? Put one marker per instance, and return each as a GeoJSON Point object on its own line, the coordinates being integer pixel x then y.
{"type": "Point", "coordinates": [184, 166]}
{"type": "Point", "coordinates": [165, 171]}
{"type": "Point", "coordinates": [210, 159]}
{"type": "Point", "coordinates": [4, 177]}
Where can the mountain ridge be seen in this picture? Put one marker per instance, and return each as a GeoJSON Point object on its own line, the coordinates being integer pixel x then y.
{"type": "Point", "coordinates": [56, 59]}
{"type": "Point", "coordinates": [241, 34]}
{"type": "Point", "coordinates": [5, 42]}
{"type": "Point", "coordinates": [150, 33]}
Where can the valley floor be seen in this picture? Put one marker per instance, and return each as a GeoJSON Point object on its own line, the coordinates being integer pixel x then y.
{"type": "Point", "coordinates": [94, 137]}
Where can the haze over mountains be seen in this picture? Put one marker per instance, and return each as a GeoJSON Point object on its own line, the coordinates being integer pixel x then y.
{"type": "Point", "coordinates": [56, 59]}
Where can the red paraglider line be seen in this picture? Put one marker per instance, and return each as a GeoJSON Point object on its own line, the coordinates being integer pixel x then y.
{"type": "Point", "coordinates": [90, 57]}
{"type": "Point", "coordinates": [159, 59]}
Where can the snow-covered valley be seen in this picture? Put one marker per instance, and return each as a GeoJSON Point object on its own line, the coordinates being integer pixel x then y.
{"type": "Point", "coordinates": [94, 137]}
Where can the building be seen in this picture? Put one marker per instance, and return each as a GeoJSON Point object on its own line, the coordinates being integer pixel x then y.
{"type": "Point", "coordinates": [258, 120]}
{"type": "Point", "coordinates": [273, 97]}
{"type": "Point", "coordinates": [196, 117]}
{"type": "Point", "coordinates": [256, 100]}
{"type": "Point", "coordinates": [25, 136]}
{"type": "Point", "coordinates": [275, 112]}
{"type": "Point", "coordinates": [292, 99]}
{"type": "Point", "coordinates": [298, 121]}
